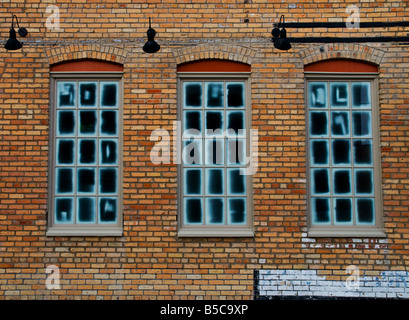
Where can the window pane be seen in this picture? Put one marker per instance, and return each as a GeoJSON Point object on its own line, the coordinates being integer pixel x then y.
{"type": "Point", "coordinates": [235, 94]}
{"type": "Point", "coordinates": [192, 152]}
{"type": "Point", "coordinates": [65, 180]}
{"type": "Point", "coordinates": [214, 94]}
{"type": "Point", "coordinates": [340, 123]}
{"type": "Point", "coordinates": [343, 211]}
{"type": "Point", "coordinates": [86, 210]}
{"type": "Point", "coordinates": [341, 152]}
{"type": "Point", "coordinates": [319, 152]}
{"type": "Point", "coordinates": [86, 180]}
{"type": "Point", "coordinates": [236, 210]}
{"type": "Point", "coordinates": [88, 94]}
{"type": "Point", "coordinates": [109, 123]}
{"type": "Point", "coordinates": [193, 94]}
{"type": "Point", "coordinates": [109, 152]}
{"type": "Point", "coordinates": [361, 123]}
{"type": "Point", "coordinates": [193, 211]}
{"type": "Point", "coordinates": [214, 123]}
{"type": "Point", "coordinates": [193, 181]}
{"type": "Point", "coordinates": [235, 123]}
{"type": "Point", "coordinates": [365, 209]}
{"type": "Point", "coordinates": [318, 95]}
{"type": "Point", "coordinates": [321, 212]}
{"type": "Point", "coordinates": [108, 210]}
{"type": "Point", "coordinates": [109, 94]}
{"type": "Point", "coordinates": [361, 96]}
{"type": "Point", "coordinates": [236, 151]}
{"type": "Point", "coordinates": [64, 209]}
{"type": "Point", "coordinates": [364, 181]}
{"type": "Point", "coordinates": [193, 122]}
{"type": "Point", "coordinates": [87, 151]}
{"type": "Point", "coordinates": [214, 181]}
{"type": "Point", "coordinates": [362, 152]}
{"type": "Point", "coordinates": [320, 181]}
{"type": "Point", "coordinates": [66, 94]}
{"type": "Point", "coordinates": [236, 181]}
{"type": "Point", "coordinates": [215, 211]}
{"type": "Point", "coordinates": [339, 94]}
{"type": "Point", "coordinates": [65, 123]}
{"type": "Point", "coordinates": [214, 151]}
{"type": "Point", "coordinates": [342, 182]}
{"type": "Point", "coordinates": [88, 123]}
{"type": "Point", "coordinates": [318, 123]}
{"type": "Point", "coordinates": [65, 151]}
{"type": "Point", "coordinates": [108, 180]}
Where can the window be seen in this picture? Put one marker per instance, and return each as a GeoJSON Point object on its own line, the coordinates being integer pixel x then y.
{"type": "Point", "coordinates": [343, 177]}
{"type": "Point", "coordinates": [85, 155]}
{"type": "Point", "coordinates": [215, 190]}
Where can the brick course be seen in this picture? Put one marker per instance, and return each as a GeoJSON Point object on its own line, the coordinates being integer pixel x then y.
{"type": "Point", "coordinates": [149, 261]}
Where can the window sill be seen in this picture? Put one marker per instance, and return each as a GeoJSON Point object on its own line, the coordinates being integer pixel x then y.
{"type": "Point", "coordinates": [216, 232]}
{"type": "Point", "coordinates": [101, 231]}
{"type": "Point", "coordinates": [345, 233]}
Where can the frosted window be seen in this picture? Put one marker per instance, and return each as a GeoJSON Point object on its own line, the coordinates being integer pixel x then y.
{"type": "Point", "coordinates": [321, 212]}
{"type": "Point", "coordinates": [214, 94]}
{"type": "Point", "coordinates": [193, 181]}
{"type": "Point", "coordinates": [361, 96]}
{"type": "Point", "coordinates": [319, 152]}
{"type": "Point", "coordinates": [66, 94]}
{"type": "Point", "coordinates": [214, 151]}
{"type": "Point", "coordinates": [362, 152]}
{"type": "Point", "coordinates": [318, 95]}
{"type": "Point", "coordinates": [88, 94]}
{"type": "Point", "coordinates": [192, 152]}
{"type": "Point", "coordinates": [235, 95]}
{"type": "Point", "coordinates": [339, 123]}
{"type": "Point", "coordinates": [236, 211]}
{"type": "Point", "coordinates": [341, 152]}
{"type": "Point", "coordinates": [65, 151]}
{"type": "Point", "coordinates": [235, 123]}
{"type": "Point", "coordinates": [339, 94]}
{"type": "Point", "coordinates": [320, 181]}
{"type": "Point", "coordinates": [365, 209]}
{"type": "Point", "coordinates": [109, 152]}
{"type": "Point", "coordinates": [86, 210]}
{"type": "Point", "coordinates": [361, 123]}
{"type": "Point", "coordinates": [86, 180]}
{"type": "Point", "coordinates": [214, 123]}
{"type": "Point", "coordinates": [64, 210]}
{"type": "Point", "coordinates": [193, 211]}
{"type": "Point", "coordinates": [214, 181]}
{"type": "Point", "coordinates": [87, 151]}
{"type": "Point", "coordinates": [342, 181]}
{"type": "Point", "coordinates": [193, 94]}
{"type": "Point", "coordinates": [108, 210]}
{"type": "Point", "coordinates": [236, 182]}
{"type": "Point", "coordinates": [109, 123]}
{"type": "Point", "coordinates": [88, 123]}
{"type": "Point", "coordinates": [65, 180]}
{"type": "Point", "coordinates": [109, 94]}
{"type": "Point", "coordinates": [318, 123]}
{"type": "Point", "coordinates": [343, 210]}
{"type": "Point", "coordinates": [364, 181]}
{"type": "Point", "coordinates": [65, 123]}
{"type": "Point", "coordinates": [215, 211]}
{"type": "Point", "coordinates": [108, 182]}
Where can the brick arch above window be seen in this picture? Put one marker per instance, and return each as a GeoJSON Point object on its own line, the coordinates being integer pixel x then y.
{"type": "Point", "coordinates": [341, 65]}
{"type": "Point", "coordinates": [90, 65]}
{"type": "Point", "coordinates": [214, 65]}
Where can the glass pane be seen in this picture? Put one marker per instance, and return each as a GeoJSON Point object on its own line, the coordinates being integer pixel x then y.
{"type": "Point", "coordinates": [65, 151]}
{"type": "Point", "coordinates": [192, 152]}
{"type": "Point", "coordinates": [236, 211]}
{"type": "Point", "coordinates": [319, 152]}
{"type": "Point", "coordinates": [343, 210]}
{"type": "Point", "coordinates": [215, 211]}
{"type": "Point", "coordinates": [340, 123]}
{"type": "Point", "coordinates": [318, 95]}
{"type": "Point", "coordinates": [341, 153]}
{"type": "Point", "coordinates": [109, 123]}
{"type": "Point", "coordinates": [365, 209]}
{"type": "Point", "coordinates": [362, 152]}
{"type": "Point", "coordinates": [193, 94]}
{"type": "Point", "coordinates": [66, 94]}
{"type": "Point", "coordinates": [236, 151]}
{"type": "Point", "coordinates": [88, 123]}
{"type": "Point", "coordinates": [320, 181]}
{"type": "Point", "coordinates": [214, 94]}
{"type": "Point", "coordinates": [361, 95]}
{"type": "Point", "coordinates": [236, 181]}
{"type": "Point", "coordinates": [64, 208]}
{"type": "Point", "coordinates": [193, 122]}
{"type": "Point", "coordinates": [321, 212]}
{"type": "Point", "coordinates": [214, 151]}
{"type": "Point", "coordinates": [236, 123]}
{"type": "Point", "coordinates": [339, 94]}
{"type": "Point", "coordinates": [108, 180]}
{"type": "Point", "coordinates": [88, 94]}
{"type": "Point", "coordinates": [364, 181]}
{"type": "Point", "coordinates": [235, 94]}
{"type": "Point", "coordinates": [342, 181]}
{"type": "Point", "coordinates": [214, 181]}
{"type": "Point", "coordinates": [318, 123]}
{"type": "Point", "coordinates": [193, 181]}
{"type": "Point", "coordinates": [109, 94]}
{"type": "Point", "coordinates": [193, 211]}
{"type": "Point", "coordinates": [214, 123]}
{"type": "Point", "coordinates": [362, 123]}
{"type": "Point", "coordinates": [108, 210]}
{"type": "Point", "coordinates": [64, 180]}
{"type": "Point", "coordinates": [87, 151]}
{"type": "Point", "coordinates": [86, 210]}
{"type": "Point", "coordinates": [65, 123]}
{"type": "Point", "coordinates": [86, 180]}
{"type": "Point", "coordinates": [109, 152]}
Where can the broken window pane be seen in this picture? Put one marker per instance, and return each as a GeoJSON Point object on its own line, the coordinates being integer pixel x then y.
{"type": "Point", "coordinates": [65, 123]}
{"type": "Point", "coordinates": [214, 151]}
{"type": "Point", "coordinates": [320, 181]}
{"type": "Point", "coordinates": [364, 181]}
{"type": "Point", "coordinates": [86, 210]}
{"type": "Point", "coordinates": [64, 209]}
{"type": "Point", "coordinates": [65, 180]}
{"type": "Point", "coordinates": [88, 123]}
{"type": "Point", "coordinates": [362, 152]}
{"type": "Point", "coordinates": [236, 181]}
{"type": "Point", "coordinates": [236, 210]}
{"type": "Point", "coordinates": [365, 210]}
{"type": "Point", "coordinates": [319, 152]}
{"type": "Point", "coordinates": [108, 210]}
{"type": "Point", "coordinates": [340, 123]}
{"type": "Point", "coordinates": [193, 122]}
{"type": "Point", "coordinates": [321, 212]}
{"type": "Point", "coordinates": [193, 94]}
{"type": "Point", "coordinates": [65, 151]}
{"type": "Point", "coordinates": [109, 94]}
{"type": "Point", "coordinates": [339, 94]}
{"type": "Point", "coordinates": [318, 123]}
{"type": "Point", "coordinates": [342, 181]}
{"type": "Point", "coordinates": [192, 152]}
{"type": "Point", "coordinates": [361, 123]}
{"type": "Point", "coordinates": [87, 151]}
{"type": "Point", "coordinates": [214, 123]}
{"type": "Point", "coordinates": [214, 96]}
{"type": "Point", "coordinates": [108, 152]}
{"type": "Point", "coordinates": [88, 94]}
{"type": "Point", "coordinates": [214, 181]}
{"type": "Point", "coordinates": [109, 123]}
{"type": "Point", "coordinates": [361, 96]}
{"type": "Point", "coordinates": [66, 94]}
{"type": "Point", "coordinates": [214, 210]}
{"type": "Point", "coordinates": [341, 154]}
{"type": "Point", "coordinates": [86, 180]}
{"type": "Point", "coordinates": [343, 210]}
{"type": "Point", "coordinates": [318, 95]}
{"type": "Point", "coordinates": [193, 181]}
{"type": "Point", "coordinates": [235, 123]}
{"type": "Point", "coordinates": [235, 94]}
{"type": "Point", "coordinates": [108, 180]}
{"type": "Point", "coordinates": [193, 211]}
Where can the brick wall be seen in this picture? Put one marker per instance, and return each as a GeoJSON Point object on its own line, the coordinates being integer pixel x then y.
{"type": "Point", "coordinates": [149, 261]}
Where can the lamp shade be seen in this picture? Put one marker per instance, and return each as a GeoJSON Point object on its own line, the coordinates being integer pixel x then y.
{"type": "Point", "coordinates": [151, 46]}
{"type": "Point", "coordinates": [12, 43]}
{"type": "Point", "coordinates": [282, 43]}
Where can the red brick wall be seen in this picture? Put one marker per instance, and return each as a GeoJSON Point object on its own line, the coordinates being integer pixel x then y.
{"type": "Point", "coordinates": [149, 261]}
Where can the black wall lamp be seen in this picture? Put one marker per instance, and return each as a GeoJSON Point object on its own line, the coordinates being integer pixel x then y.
{"type": "Point", "coordinates": [12, 43]}
{"type": "Point", "coordinates": [151, 46]}
{"type": "Point", "coordinates": [280, 37]}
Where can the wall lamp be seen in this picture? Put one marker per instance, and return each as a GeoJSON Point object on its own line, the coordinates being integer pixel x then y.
{"type": "Point", "coordinates": [12, 43]}
{"type": "Point", "coordinates": [151, 46]}
{"type": "Point", "coordinates": [280, 37]}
